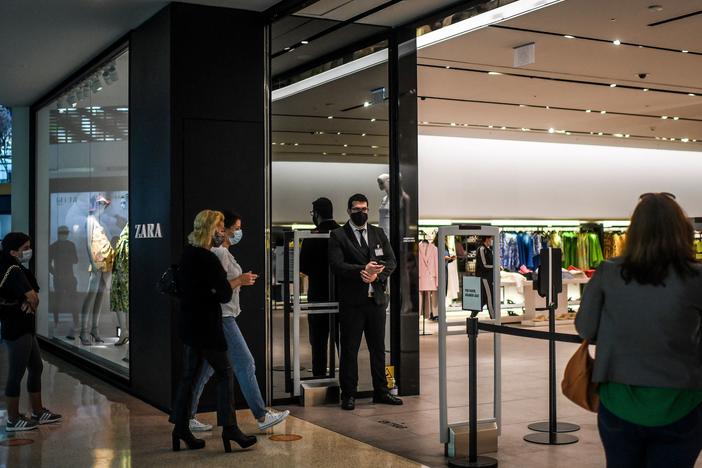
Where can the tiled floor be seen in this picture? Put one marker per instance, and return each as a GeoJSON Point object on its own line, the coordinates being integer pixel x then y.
{"type": "Point", "coordinates": [105, 427]}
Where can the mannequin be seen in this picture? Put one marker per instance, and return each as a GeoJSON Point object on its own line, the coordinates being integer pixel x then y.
{"type": "Point", "coordinates": [428, 278]}
{"type": "Point", "coordinates": [101, 256]}
{"type": "Point", "coordinates": [384, 207]}
{"type": "Point", "coordinates": [119, 294]}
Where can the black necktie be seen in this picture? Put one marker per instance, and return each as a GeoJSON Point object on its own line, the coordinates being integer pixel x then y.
{"type": "Point", "coordinates": [364, 244]}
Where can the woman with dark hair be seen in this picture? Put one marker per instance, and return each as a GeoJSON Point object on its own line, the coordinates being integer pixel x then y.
{"type": "Point", "coordinates": [203, 287]}
{"type": "Point", "coordinates": [644, 311]}
{"type": "Point", "coordinates": [18, 306]}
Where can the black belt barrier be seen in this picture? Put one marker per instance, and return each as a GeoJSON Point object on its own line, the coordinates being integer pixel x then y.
{"type": "Point", "coordinates": [526, 333]}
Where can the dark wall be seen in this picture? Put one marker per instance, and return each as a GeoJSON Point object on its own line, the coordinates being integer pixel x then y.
{"type": "Point", "coordinates": [151, 201]}
{"type": "Point", "coordinates": [196, 143]}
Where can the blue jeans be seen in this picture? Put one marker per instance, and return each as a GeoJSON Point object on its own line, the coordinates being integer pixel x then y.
{"type": "Point", "coordinates": [629, 445]}
{"type": "Point", "coordinates": [244, 370]}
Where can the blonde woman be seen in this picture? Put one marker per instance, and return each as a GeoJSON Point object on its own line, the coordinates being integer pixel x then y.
{"type": "Point", "coordinates": [204, 286]}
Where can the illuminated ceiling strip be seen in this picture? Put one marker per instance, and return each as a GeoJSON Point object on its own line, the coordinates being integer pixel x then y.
{"type": "Point", "coordinates": [498, 15]}
{"type": "Point", "coordinates": [331, 75]}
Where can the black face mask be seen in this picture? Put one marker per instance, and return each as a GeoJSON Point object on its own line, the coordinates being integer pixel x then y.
{"type": "Point", "coordinates": [217, 239]}
{"type": "Point", "coordinates": [359, 218]}
{"type": "Point", "coordinates": [315, 219]}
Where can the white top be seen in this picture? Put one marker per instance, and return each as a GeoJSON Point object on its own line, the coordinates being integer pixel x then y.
{"type": "Point", "coordinates": [230, 265]}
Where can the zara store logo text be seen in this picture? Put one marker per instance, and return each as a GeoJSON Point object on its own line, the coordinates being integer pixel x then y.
{"type": "Point", "coordinates": [148, 231]}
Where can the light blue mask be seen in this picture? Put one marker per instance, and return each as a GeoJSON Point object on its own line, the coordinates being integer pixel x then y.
{"type": "Point", "coordinates": [236, 237]}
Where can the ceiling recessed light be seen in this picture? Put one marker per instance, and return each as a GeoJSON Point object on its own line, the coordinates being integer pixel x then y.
{"type": "Point", "coordinates": [325, 153]}
{"type": "Point", "coordinates": [373, 119]}
{"type": "Point", "coordinates": [664, 117]}
{"type": "Point", "coordinates": [363, 134]}
{"type": "Point", "coordinates": [548, 107]}
{"type": "Point", "coordinates": [524, 129]}
{"type": "Point", "coordinates": [343, 154]}
{"type": "Point", "coordinates": [613, 85]}
{"type": "Point", "coordinates": [465, 125]}
{"type": "Point", "coordinates": [676, 118]}
{"type": "Point", "coordinates": [655, 8]}
{"type": "Point", "coordinates": [366, 104]}
{"type": "Point", "coordinates": [338, 133]}
{"type": "Point", "coordinates": [684, 51]}
{"type": "Point", "coordinates": [453, 124]}
{"type": "Point", "coordinates": [691, 94]}
{"type": "Point", "coordinates": [588, 110]}
{"type": "Point", "coordinates": [627, 135]}
{"type": "Point", "coordinates": [304, 42]}
{"type": "Point", "coordinates": [616, 42]}
{"type": "Point", "coordinates": [282, 144]}
{"type": "Point", "coordinates": [568, 36]}
{"type": "Point", "coordinates": [645, 89]}
{"type": "Point", "coordinates": [374, 146]}
{"type": "Point", "coordinates": [489, 126]}
{"type": "Point", "coordinates": [603, 112]}
{"type": "Point", "coordinates": [494, 73]}
{"type": "Point", "coordinates": [504, 128]}
{"type": "Point", "coordinates": [567, 133]}
{"type": "Point", "coordinates": [297, 144]}
{"type": "Point", "coordinates": [684, 140]}
{"type": "Point", "coordinates": [551, 130]}
{"type": "Point", "coordinates": [672, 139]}
{"type": "Point", "coordinates": [619, 135]}
{"type": "Point", "coordinates": [346, 146]}
{"type": "Point", "coordinates": [522, 105]}
{"type": "Point", "coordinates": [600, 133]}
{"type": "Point", "coordinates": [330, 117]}
{"type": "Point", "coordinates": [447, 67]}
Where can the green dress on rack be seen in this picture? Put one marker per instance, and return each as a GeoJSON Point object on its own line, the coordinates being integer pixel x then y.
{"type": "Point", "coordinates": [119, 296]}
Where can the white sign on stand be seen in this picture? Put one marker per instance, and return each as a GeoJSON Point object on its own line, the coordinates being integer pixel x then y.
{"type": "Point", "coordinates": [471, 293]}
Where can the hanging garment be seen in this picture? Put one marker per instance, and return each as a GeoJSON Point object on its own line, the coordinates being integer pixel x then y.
{"type": "Point", "coordinates": [595, 256]}
{"type": "Point", "coordinates": [119, 294]}
{"type": "Point", "coordinates": [509, 251]}
{"type": "Point", "coordinates": [619, 243]}
{"type": "Point", "coordinates": [428, 267]}
{"type": "Point", "coordinates": [526, 250]}
{"type": "Point", "coordinates": [452, 288]}
{"type": "Point", "coordinates": [569, 242]}
{"type": "Point", "coordinates": [554, 240]}
{"type": "Point", "coordinates": [537, 239]}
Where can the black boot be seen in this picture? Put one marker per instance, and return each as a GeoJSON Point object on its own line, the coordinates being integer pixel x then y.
{"type": "Point", "coordinates": [187, 437]}
{"type": "Point", "coordinates": [230, 433]}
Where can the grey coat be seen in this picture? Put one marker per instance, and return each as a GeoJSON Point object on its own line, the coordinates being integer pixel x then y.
{"type": "Point", "coordinates": [646, 335]}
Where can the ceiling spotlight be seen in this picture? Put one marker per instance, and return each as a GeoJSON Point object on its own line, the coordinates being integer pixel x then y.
{"type": "Point", "coordinates": [684, 140]}
{"type": "Point", "coordinates": [588, 110]}
{"type": "Point", "coordinates": [453, 124]}
{"type": "Point", "coordinates": [603, 112]}
{"type": "Point", "coordinates": [274, 143]}
{"type": "Point", "coordinates": [504, 128]}
{"type": "Point", "coordinates": [373, 119]}
{"type": "Point", "coordinates": [676, 118]}
{"type": "Point", "coordinates": [664, 117]}
{"type": "Point", "coordinates": [691, 94]}
{"type": "Point", "coordinates": [494, 73]}
{"type": "Point", "coordinates": [338, 133]}
{"type": "Point", "coordinates": [346, 146]}
{"type": "Point", "coordinates": [363, 134]}
{"type": "Point", "coordinates": [548, 107]}
{"type": "Point", "coordinates": [296, 144]}
{"type": "Point", "coordinates": [465, 125]}
{"type": "Point", "coordinates": [374, 146]}
{"type": "Point", "coordinates": [613, 85]}
{"type": "Point", "coordinates": [616, 42]}
{"type": "Point", "coordinates": [522, 105]}
{"type": "Point", "coordinates": [324, 153]}
{"type": "Point", "coordinates": [627, 135]}
{"type": "Point", "coordinates": [600, 133]}
{"type": "Point", "coordinates": [343, 154]}
{"type": "Point", "coordinates": [524, 129]}
{"type": "Point", "coordinates": [567, 133]}
{"type": "Point", "coordinates": [330, 117]}
{"type": "Point", "coordinates": [447, 67]}
{"type": "Point", "coordinates": [282, 143]}
{"type": "Point", "coordinates": [366, 104]}
{"type": "Point", "coordinates": [618, 135]}
{"type": "Point", "coordinates": [672, 139]}
{"type": "Point", "coordinates": [645, 89]}
{"type": "Point", "coordinates": [568, 36]}
{"type": "Point", "coordinates": [684, 51]}
{"type": "Point", "coordinates": [551, 130]}
{"type": "Point", "coordinates": [304, 42]}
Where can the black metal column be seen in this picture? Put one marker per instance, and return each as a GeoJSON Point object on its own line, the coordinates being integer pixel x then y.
{"type": "Point", "coordinates": [404, 209]}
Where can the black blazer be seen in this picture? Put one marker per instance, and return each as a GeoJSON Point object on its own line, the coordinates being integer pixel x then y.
{"type": "Point", "coordinates": [314, 262]}
{"type": "Point", "coordinates": [347, 260]}
{"type": "Point", "coordinates": [204, 286]}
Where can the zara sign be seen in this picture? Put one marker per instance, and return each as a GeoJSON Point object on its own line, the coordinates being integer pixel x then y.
{"type": "Point", "coordinates": [148, 231]}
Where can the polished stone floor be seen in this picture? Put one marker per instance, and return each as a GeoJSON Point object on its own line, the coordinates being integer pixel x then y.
{"type": "Point", "coordinates": [104, 427]}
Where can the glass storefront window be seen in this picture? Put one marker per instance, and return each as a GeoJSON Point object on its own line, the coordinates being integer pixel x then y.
{"type": "Point", "coordinates": [82, 223]}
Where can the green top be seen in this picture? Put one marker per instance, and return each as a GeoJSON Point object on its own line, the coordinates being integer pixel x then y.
{"type": "Point", "coordinates": [648, 406]}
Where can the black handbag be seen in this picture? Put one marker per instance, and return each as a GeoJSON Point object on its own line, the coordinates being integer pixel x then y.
{"type": "Point", "coordinates": [168, 283]}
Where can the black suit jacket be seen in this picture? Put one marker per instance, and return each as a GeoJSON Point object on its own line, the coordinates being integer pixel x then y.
{"type": "Point", "coordinates": [314, 262]}
{"type": "Point", "coordinates": [347, 260]}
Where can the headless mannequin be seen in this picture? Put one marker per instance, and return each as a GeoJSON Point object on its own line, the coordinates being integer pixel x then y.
{"type": "Point", "coordinates": [119, 297]}
{"type": "Point", "coordinates": [101, 255]}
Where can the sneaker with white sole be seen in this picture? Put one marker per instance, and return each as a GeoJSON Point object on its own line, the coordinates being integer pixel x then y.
{"type": "Point", "coordinates": [22, 424]}
{"type": "Point", "coordinates": [46, 417]}
{"type": "Point", "coordinates": [197, 426]}
{"type": "Point", "coordinates": [272, 418]}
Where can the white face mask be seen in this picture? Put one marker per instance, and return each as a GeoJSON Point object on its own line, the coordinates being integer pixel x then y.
{"type": "Point", "coordinates": [26, 256]}
{"type": "Point", "coordinates": [234, 239]}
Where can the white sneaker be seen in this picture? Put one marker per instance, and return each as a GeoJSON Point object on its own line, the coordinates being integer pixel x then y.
{"type": "Point", "coordinates": [272, 418]}
{"type": "Point", "coordinates": [197, 426]}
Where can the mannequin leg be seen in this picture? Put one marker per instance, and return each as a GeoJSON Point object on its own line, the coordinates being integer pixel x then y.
{"type": "Point", "coordinates": [434, 304]}
{"type": "Point", "coordinates": [97, 306]}
{"type": "Point", "coordinates": [123, 320]}
{"type": "Point", "coordinates": [87, 306]}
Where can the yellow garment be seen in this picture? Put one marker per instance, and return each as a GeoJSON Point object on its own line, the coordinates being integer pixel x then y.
{"type": "Point", "coordinates": [102, 255]}
{"type": "Point", "coordinates": [698, 249]}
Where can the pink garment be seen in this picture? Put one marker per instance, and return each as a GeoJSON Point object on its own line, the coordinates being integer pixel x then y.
{"type": "Point", "coordinates": [428, 267]}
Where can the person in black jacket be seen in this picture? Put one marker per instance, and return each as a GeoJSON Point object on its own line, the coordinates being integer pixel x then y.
{"type": "Point", "coordinates": [484, 269]}
{"type": "Point", "coordinates": [362, 260]}
{"type": "Point", "coordinates": [314, 263]}
{"type": "Point", "coordinates": [18, 305]}
{"type": "Point", "coordinates": [203, 286]}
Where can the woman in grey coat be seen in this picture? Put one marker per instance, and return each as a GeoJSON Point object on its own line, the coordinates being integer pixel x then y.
{"type": "Point", "coordinates": [644, 312]}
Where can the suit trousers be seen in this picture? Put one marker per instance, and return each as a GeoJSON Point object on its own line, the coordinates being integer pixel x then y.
{"type": "Point", "coordinates": [193, 360]}
{"type": "Point", "coordinates": [368, 318]}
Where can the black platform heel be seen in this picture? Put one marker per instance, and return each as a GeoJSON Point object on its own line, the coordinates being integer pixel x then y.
{"type": "Point", "coordinates": [190, 440]}
{"type": "Point", "coordinates": [230, 433]}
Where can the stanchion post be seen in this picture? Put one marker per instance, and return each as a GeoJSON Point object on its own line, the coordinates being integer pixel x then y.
{"type": "Point", "coordinates": [473, 461]}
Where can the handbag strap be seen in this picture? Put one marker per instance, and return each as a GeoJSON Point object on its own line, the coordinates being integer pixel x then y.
{"type": "Point", "coordinates": [7, 274]}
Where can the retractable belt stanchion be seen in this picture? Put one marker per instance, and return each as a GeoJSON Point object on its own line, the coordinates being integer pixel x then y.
{"type": "Point", "coordinates": [473, 460]}
{"type": "Point", "coordinates": [551, 432]}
